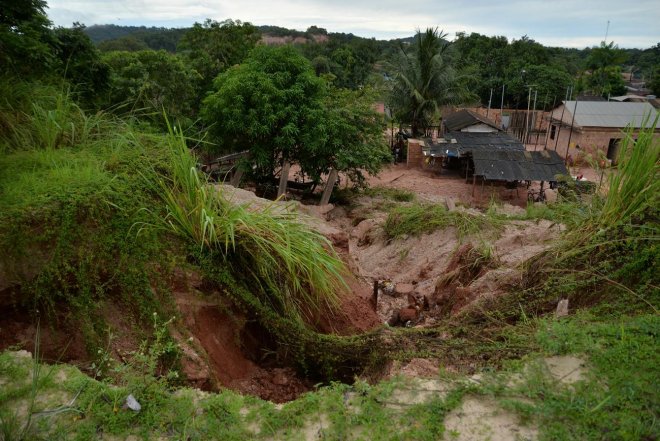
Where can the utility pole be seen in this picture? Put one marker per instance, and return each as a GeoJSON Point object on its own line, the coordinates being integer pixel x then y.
{"type": "Point", "coordinates": [570, 134]}
{"type": "Point", "coordinates": [502, 108]}
{"type": "Point", "coordinates": [529, 101]}
{"type": "Point", "coordinates": [607, 30]}
{"type": "Point", "coordinates": [536, 91]}
{"type": "Point", "coordinates": [490, 99]}
{"type": "Point", "coordinates": [547, 134]}
{"type": "Point", "coordinates": [562, 117]}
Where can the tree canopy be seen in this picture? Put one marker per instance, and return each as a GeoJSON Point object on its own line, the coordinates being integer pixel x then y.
{"type": "Point", "coordinates": [274, 105]}
{"type": "Point", "coordinates": [425, 79]}
{"type": "Point", "coordinates": [25, 38]}
{"type": "Point", "coordinates": [604, 70]}
{"type": "Point", "coordinates": [152, 81]}
{"type": "Point", "coordinates": [213, 47]}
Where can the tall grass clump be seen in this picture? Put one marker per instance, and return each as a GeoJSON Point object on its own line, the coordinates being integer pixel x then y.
{"type": "Point", "coordinates": [611, 257]}
{"type": "Point", "coordinates": [417, 219]}
{"type": "Point", "coordinates": [44, 117]}
{"type": "Point", "coordinates": [293, 264]}
{"type": "Point", "coordinates": [635, 186]}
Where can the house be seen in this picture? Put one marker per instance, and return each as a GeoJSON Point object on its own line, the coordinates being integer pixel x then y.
{"type": "Point", "coordinates": [585, 127]}
{"type": "Point", "coordinates": [468, 121]}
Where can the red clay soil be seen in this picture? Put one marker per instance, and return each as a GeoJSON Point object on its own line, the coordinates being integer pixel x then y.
{"type": "Point", "coordinates": [60, 341]}
{"type": "Point", "coordinates": [452, 291]}
{"type": "Point", "coordinates": [234, 349]}
{"type": "Point", "coordinates": [355, 314]}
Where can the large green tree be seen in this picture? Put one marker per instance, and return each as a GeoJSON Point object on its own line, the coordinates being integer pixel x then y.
{"type": "Point", "coordinates": [152, 81]}
{"type": "Point", "coordinates": [274, 105]}
{"type": "Point", "coordinates": [604, 70]}
{"type": "Point", "coordinates": [80, 63]}
{"type": "Point", "coordinates": [424, 80]}
{"type": "Point", "coordinates": [25, 38]}
{"type": "Point", "coordinates": [213, 47]}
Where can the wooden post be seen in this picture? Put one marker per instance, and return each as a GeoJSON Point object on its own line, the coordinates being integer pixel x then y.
{"type": "Point", "coordinates": [236, 178]}
{"type": "Point", "coordinates": [329, 185]}
{"type": "Point", "coordinates": [374, 296]}
{"type": "Point", "coordinates": [284, 178]}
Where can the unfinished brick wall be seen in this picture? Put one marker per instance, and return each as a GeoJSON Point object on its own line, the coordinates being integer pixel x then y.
{"type": "Point", "coordinates": [590, 140]}
{"type": "Point", "coordinates": [415, 155]}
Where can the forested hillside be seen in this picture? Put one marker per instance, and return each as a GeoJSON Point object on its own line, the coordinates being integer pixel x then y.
{"type": "Point", "coordinates": [487, 62]}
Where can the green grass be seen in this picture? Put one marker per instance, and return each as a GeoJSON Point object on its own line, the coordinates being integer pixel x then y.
{"type": "Point", "coordinates": [295, 265]}
{"type": "Point", "coordinates": [611, 256]}
{"type": "Point", "coordinates": [395, 194]}
{"type": "Point", "coordinates": [68, 215]}
{"type": "Point", "coordinates": [617, 398]}
{"type": "Point", "coordinates": [418, 218]}
{"type": "Point", "coordinates": [620, 398]}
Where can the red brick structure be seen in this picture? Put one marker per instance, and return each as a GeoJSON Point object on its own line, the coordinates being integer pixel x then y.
{"type": "Point", "coordinates": [588, 127]}
{"type": "Point", "coordinates": [415, 154]}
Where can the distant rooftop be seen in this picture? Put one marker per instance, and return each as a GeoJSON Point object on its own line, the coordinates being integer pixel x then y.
{"type": "Point", "coordinates": [465, 118]}
{"type": "Point", "coordinates": [611, 114]}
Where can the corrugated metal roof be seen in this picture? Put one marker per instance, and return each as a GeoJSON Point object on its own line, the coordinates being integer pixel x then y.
{"type": "Point", "coordinates": [467, 142]}
{"type": "Point", "coordinates": [465, 118]}
{"type": "Point", "coordinates": [612, 114]}
{"type": "Point", "coordinates": [507, 165]}
{"type": "Point", "coordinates": [462, 143]}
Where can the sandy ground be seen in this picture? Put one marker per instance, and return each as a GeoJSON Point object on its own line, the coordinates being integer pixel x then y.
{"type": "Point", "coordinates": [418, 262]}
{"type": "Point", "coordinates": [438, 185]}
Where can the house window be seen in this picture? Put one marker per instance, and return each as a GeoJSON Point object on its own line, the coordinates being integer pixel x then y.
{"type": "Point", "coordinates": [553, 130]}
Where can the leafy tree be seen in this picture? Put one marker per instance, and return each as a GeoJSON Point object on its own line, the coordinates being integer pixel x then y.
{"type": "Point", "coordinates": [213, 47]}
{"type": "Point", "coordinates": [315, 30]}
{"type": "Point", "coordinates": [425, 80]}
{"type": "Point", "coordinates": [604, 63]}
{"type": "Point", "coordinates": [528, 51]}
{"type": "Point", "coordinates": [352, 135]}
{"type": "Point", "coordinates": [154, 81]}
{"type": "Point", "coordinates": [80, 62]}
{"type": "Point", "coordinates": [114, 37]}
{"type": "Point", "coordinates": [548, 81]}
{"type": "Point", "coordinates": [483, 62]}
{"type": "Point", "coordinates": [654, 84]}
{"type": "Point", "coordinates": [647, 61]}
{"type": "Point", "coordinates": [271, 103]}
{"type": "Point", "coordinates": [25, 38]}
{"type": "Point", "coordinates": [276, 106]}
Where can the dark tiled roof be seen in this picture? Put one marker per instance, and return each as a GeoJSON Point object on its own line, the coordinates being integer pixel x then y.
{"type": "Point", "coordinates": [465, 118]}
{"type": "Point", "coordinates": [507, 165]}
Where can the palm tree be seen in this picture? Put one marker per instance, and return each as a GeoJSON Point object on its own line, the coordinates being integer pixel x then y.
{"type": "Point", "coordinates": [424, 80]}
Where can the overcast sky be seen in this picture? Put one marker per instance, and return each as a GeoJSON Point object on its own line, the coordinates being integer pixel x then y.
{"type": "Point", "coordinates": [553, 23]}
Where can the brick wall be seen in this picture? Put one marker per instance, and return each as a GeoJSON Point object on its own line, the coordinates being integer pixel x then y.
{"type": "Point", "coordinates": [589, 141]}
{"type": "Point", "coordinates": [415, 155]}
